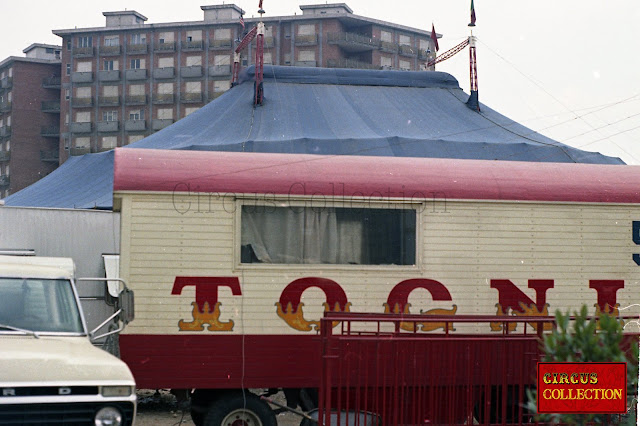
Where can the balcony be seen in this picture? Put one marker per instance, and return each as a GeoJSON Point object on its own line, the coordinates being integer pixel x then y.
{"type": "Point", "coordinates": [80, 127]}
{"type": "Point", "coordinates": [82, 77]}
{"type": "Point", "coordinates": [192, 45]}
{"type": "Point", "coordinates": [52, 156]}
{"type": "Point", "coordinates": [352, 42]}
{"type": "Point", "coordinates": [4, 180]}
{"type": "Point", "coordinates": [5, 131]}
{"type": "Point", "coordinates": [408, 51]}
{"type": "Point", "coordinates": [135, 100]}
{"type": "Point", "coordinates": [52, 82]}
{"type": "Point", "coordinates": [108, 126]}
{"type": "Point", "coordinates": [137, 74]}
{"type": "Point", "coordinates": [135, 125]}
{"type": "Point", "coordinates": [194, 71]}
{"type": "Point", "coordinates": [110, 50]}
{"type": "Point", "coordinates": [191, 98]}
{"type": "Point", "coordinates": [161, 123]}
{"type": "Point", "coordinates": [6, 83]}
{"type": "Point", "coordinates": [5, 106]}
{"type": "Point", "coordinates": [137, 49]}
{"type": "Point", "coordinates": [425, 55]}
{"type": "Point", "coordinates": [50, 131]}
{"type": "Point", "coordinates": [164, 73]}
{"type": "Point", "coordinates": [219, 70]}
{"type": "Point", "coordinates": [80, 150]}
{"type": "Point", "coordinates": [81, 102]}
{"type": "Point", "coordinates": [109, 75]}
{"type": "Point", "coordinates": [220, 44]}
{"type": "Point", "coordinates": [80, 52]}
{"type": "Point", "coordinates": [163, 98]}
{"type": "Point", "coordinates": [387, 46]}
{"type": "Point", "coordinates": [306, 40]}
{"type": "Point", "coordinates": [51, 106]}
{"type": "Point", "coordinates": [351, 63]}
{"type": "Point", "coordinates": [109, 100]}
{"type": "Point", "coordinates": [5, 156]}
{"type": "Point", "coordinates": [165, 47]}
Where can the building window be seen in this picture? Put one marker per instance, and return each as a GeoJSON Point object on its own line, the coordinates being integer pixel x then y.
{"type": "Point", "coordinates": [221, 86]}
{"type": "Point", "coordinates": [135, 138]}
{"type": "Point", "coordinates": [306, 55]}
{"type": "Point", "coordinates": [84, 142]}
{"type": "Point", "coordinates": [68, 44]}
{"type": "Point", "coordinates": [167, 37]}
{"type": "Point", "coordinates": [83, 92]}
{"type": "Point", "coordinates": [49, 49]}
{"type": "Point", "coordinates": [404, 65]}
{"type": "Point", "coordinates": [343, 236]}
{"type": "Point", "coordinates": [136, 115]}
{"type": "Point", "coordinates": [83, 117]}
{"type": "Point", "coordinates": [165, 113]}
{"type": "Point", "coordinates": [67, 94]}
{"type": "Point", "coordinates": [68, 69]}
{"type": "Point", "coordinates": [109, 142]}
{"type": "Point", "coordinates": [112, 41]}
{"type": "Point", "coordinates": [194, 35]}
{"type": "Point", "coordinates": [110, 65]}
{"type": "Point", "coordinates": [136, 64]}
{"type": "Point", "coordinates": [404, 40]}
{"type": "Point", "coordinates": [137, 90]}
{"type": "Point", "coordinates": [109, 115]}
{"type": "Point", "coordinates": [385, 62]}
{"type": "Point", "coordinates": [193, 61]}
{"type": "Point", "coordinates": [386, 36]}
{"type": "Point", "coordinates": [190, 110]}
{"type": "Point", "coordinates": [84, 66]}
{"type": "Point", "coordinates": [222, 34]}
{"type": "Point", "coordinates": [306, 29]}
{"type": "Point", "coordinates": [424, 44]}
{"type": "Point", "coordinates": [85, 41]}
{"type": "Point", "coordinates": [166, 62]}
{"type": "Point", "coordinates": [268, 58]}
{"type": "Point", "coordinates": [110, 91]}
{"type": "Point", "coordinates": [57, 54]}
{"type": "Point", "coordinates": [165, 88]}
{"type": "Point", "coordinates": [138, 39]}
{"type": "Point", "coordinates": [193, 87]}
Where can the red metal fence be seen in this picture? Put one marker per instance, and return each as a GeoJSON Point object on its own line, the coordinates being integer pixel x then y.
{"type": "Point", "coordinates": [377, 373]}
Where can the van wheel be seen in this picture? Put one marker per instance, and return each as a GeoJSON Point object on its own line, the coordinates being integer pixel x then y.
{"type": "Point", "coordinates": [239, 409]}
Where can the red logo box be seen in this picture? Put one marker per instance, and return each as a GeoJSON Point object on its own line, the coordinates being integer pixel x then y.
{"type": "Point", "coordinates": [582, 387]}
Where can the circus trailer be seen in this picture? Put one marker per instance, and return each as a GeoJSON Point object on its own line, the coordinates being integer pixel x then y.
{"type": "Point", "coordinates": [235, 257]}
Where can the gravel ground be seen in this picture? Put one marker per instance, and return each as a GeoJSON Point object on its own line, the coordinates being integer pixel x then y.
{"type": "Point", "coordinates": [161, 409]}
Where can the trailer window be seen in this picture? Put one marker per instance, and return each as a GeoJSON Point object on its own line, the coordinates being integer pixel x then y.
{"type": "Point", "coordinates": [299, 235]}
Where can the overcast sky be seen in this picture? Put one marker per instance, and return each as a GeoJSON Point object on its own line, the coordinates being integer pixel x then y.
{"type": "Point", "coordinates": [569, 69]}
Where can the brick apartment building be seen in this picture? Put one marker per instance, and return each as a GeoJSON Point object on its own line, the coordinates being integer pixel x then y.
{"type": "Point", "coordinates": [29, 116]}
{"type": "Point", "coordinates": [129, 79]}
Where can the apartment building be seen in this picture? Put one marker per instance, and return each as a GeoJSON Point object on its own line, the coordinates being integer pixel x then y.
{"type": "Point", "coordinates": [29, 116]}
{"type": "Point", "coordinates": [128, 79]}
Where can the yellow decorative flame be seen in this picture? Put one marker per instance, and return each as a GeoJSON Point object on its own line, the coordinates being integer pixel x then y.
{"type": "Point", "coordinates": [422, 326]}
{"type": "Point", "coordinates": [211, 318]}
{"type": "Point", "coordinates": [528, 310]}
{"type": "Point", "coordinates": [608, 310]}
{"type": "Point", "coordinates": [296, 319]}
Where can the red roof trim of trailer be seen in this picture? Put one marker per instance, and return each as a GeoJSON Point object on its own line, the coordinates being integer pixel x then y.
{"type": "Point", "coordinates": [388, 177]}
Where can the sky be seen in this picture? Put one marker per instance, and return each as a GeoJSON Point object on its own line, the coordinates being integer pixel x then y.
{"type": "Point", "coordinates": [569, 69]}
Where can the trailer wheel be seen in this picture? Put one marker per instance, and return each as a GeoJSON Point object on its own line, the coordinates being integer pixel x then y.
{"type": "Point", "coordinates": [239, 409]}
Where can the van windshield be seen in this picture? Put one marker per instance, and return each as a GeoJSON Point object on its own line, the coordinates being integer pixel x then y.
{"type": "Point", "coordinates": [40, 305]}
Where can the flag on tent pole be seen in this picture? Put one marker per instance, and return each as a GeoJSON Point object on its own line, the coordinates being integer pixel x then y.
{"type": "Point", "coordinates": [242, 21]}
{"type": "Point", "coordinates": [473, 15]}
{"type": "Point", "coordinates": [434, 37]}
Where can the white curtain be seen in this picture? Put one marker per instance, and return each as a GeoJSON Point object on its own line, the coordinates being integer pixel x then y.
{"type": "Point", "coordinates": [302, 235]}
